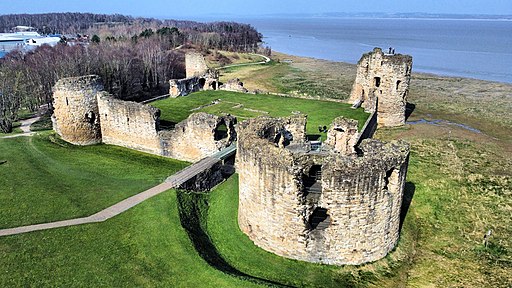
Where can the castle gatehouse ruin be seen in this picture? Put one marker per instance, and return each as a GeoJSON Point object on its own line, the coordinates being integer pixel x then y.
{"type": "Point", "coordinates": [382, 85]}
{"type": "Point", "coordinates": [332, 205]}
{"type": "Point", "coordinates": [84, 114]}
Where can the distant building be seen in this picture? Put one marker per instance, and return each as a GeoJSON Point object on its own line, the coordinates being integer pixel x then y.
{"type": "Point", "coordinates": [25, 40]}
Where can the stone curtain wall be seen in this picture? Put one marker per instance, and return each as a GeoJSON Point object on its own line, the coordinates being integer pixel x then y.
{"type": "Point", "coordinates": [75, 117]}
{"type": "Point", "coordinates": [359, 197]}
{"type": "Point", "coordinates": [129, 124]}
{"type": "Point", "coordinates": [197, 137]}
{"type": "Point", "coordinates": [382, 84]}
{"type": "Point", "coordinates": [84, 115]}
{"type": "Point", "coordinates": [369, 128]}
{"type": "Point", "coordinates": [208, 80]}
{"type": "Point", "coordinates": [195, 64]}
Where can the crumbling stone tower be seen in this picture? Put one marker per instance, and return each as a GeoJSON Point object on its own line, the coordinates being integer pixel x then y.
{"type": "Point", "coordinates": [195, 65]}
{"type": "Point", "coordinates": [382, 85]}
{"type": "Point", "coordinates": [76, 117]}
{"type": "Point", "coordinates": [199, 77]}
{"type": "Point", "coordinates": [331, 206]}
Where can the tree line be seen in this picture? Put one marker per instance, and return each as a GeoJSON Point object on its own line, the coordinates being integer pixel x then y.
{"type": "Point", "coordinates": [134, 58]}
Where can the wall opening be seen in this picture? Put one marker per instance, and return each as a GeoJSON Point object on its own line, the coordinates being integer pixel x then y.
{"type": "Point", "coordinates": [387, 177]}
{"type": "Point", "coordinates": [201, 82]}
{"type": "Point", "coordinates": [90, 117]}
{"type": "Point", "coordinates": [213, 85]}
{"type": "Point", "coordinates": [67, 101]}
{"type": "Point", "coordinates": [377, 81]}
{"type": "Point", "coordinates": [221, 131]}
{"type": "Point", "coordinates": [319, 219]}
{"type": "Point", "coordinates": [312, 181]}
{"type": "Point", "coordinates": [398, 84]}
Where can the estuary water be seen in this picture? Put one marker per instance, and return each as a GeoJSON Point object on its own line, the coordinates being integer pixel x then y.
{"type": "Point", "coordinates": [479, 49]}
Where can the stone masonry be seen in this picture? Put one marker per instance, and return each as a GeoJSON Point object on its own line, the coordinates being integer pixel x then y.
{"type": "Point", "coordinates": [195, 64]}
{"type": "Point", "coordinates": [84, 114]}
{"type": "Point", "coordinates": [382, 85]}
{"type": "Point", "coordinates": [129, 124]}
{"type": "Point", "coordinates": [198, 77]}
{"type": "Point", "coordinates": [76, 116]}
{"type": "Point", "coordinates": [198, 136]}
{"type": "Point", "coordinates": [330, 206]}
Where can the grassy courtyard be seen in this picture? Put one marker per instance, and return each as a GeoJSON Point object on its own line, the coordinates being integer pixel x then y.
{"type": "Point", "coordinates": [244, 106]}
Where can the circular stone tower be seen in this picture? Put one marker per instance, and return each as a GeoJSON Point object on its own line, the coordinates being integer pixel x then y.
{"type": "Point", "coordinates": [75, 116]}
{"type": "Point", "coordinates": [331, 205]}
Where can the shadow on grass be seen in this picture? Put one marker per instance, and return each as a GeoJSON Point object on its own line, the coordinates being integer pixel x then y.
{"type": "Point", "coordinates": [409, 190]}
{"type": "Point", "coordinates": [193, 209]}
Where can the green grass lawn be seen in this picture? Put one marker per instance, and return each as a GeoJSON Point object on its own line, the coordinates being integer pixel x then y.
{"type": "Point", "coordinates": [320, 113]}
{"type": "Point", "coordinates": [46, 181]}
{"type": "Point", "coordinates": [44, 123]}
{"type": "Point", "coordinates": [180, 239]}
{"type": "Point", "coordinates": [143, 247]}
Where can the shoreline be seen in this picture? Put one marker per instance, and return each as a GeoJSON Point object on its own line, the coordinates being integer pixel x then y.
{"type": "Point", "coordinates": [419, 73]}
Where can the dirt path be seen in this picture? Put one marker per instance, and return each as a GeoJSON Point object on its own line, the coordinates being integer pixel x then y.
{"type": "Point", "coordinates": [25, 127]}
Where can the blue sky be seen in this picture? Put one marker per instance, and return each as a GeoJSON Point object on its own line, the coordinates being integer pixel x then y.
{"type": "Point", "coordinates": [184, 8]}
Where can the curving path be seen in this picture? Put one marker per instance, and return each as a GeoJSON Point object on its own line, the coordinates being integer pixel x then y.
{"type": "Point", "coordinates": [25, 127]}
{"type": "Point", "coordinates": [247, 64]}
{"type": "Point", "coordinates": [172, 182]}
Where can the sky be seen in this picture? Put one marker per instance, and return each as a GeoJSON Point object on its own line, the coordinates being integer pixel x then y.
{"type": "Point", "coordinates": [186, 8]}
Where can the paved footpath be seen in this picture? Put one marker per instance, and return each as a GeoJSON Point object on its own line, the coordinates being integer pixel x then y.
{"type": "Point", "coordinates": [172, 182]}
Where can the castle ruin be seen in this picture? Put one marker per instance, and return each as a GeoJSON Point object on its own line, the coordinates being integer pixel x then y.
{"type": "Point", "coordinates": [334, 203]}
{"type": "Point", "coordinates": [84, 114]}
{"type": "Point", "coordinates": [382, 85]}
{"type": "Point", "coordinates": [329, 205]}
{"type": "Point", "coordinates": [75, 116]}
{"type": "Point", "coordinates": [198, 77]}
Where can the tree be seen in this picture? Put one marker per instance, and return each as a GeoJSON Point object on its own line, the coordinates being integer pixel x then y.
{"type": "Point", "coordinates": [95, 39]}
{"type": "Point", "coordinates": [10, 98]}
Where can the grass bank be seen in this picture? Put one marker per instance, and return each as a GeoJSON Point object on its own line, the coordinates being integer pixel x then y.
{"type": "Point", "coordinates": [45, 179]}
{"type": "Point", "coordinates": [143, 247]}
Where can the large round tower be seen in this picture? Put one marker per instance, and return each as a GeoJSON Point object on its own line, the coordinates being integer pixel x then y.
{"type": "Point", "coordinates": [329, 205]}
{"type": "Point", "coordinates": [75, 116]}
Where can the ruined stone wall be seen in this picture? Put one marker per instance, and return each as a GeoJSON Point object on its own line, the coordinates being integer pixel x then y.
{"type": "Point", "coordinates": [195, 64]}
{"type": "Point", "coordinates": [129, 124]}
{"type": "Point", "coordinates": [382, 84]}
{"type": "Point", "coordinates": [369, 128]}
{"type": "Point", "coordinates": [356, 198]}
{"type": "Point", "coordinates": [234, 85]}
{"type": "Point", "coordinates": [198, 136]}
{"type": "Point", "coordinates": [84, 114]}
{"type": "Point", "coordinates": [75, 117]}
{"type": "Point", "coordinates": [342, 136]}
{"type": "Point", "coordinates": [207, 81]}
